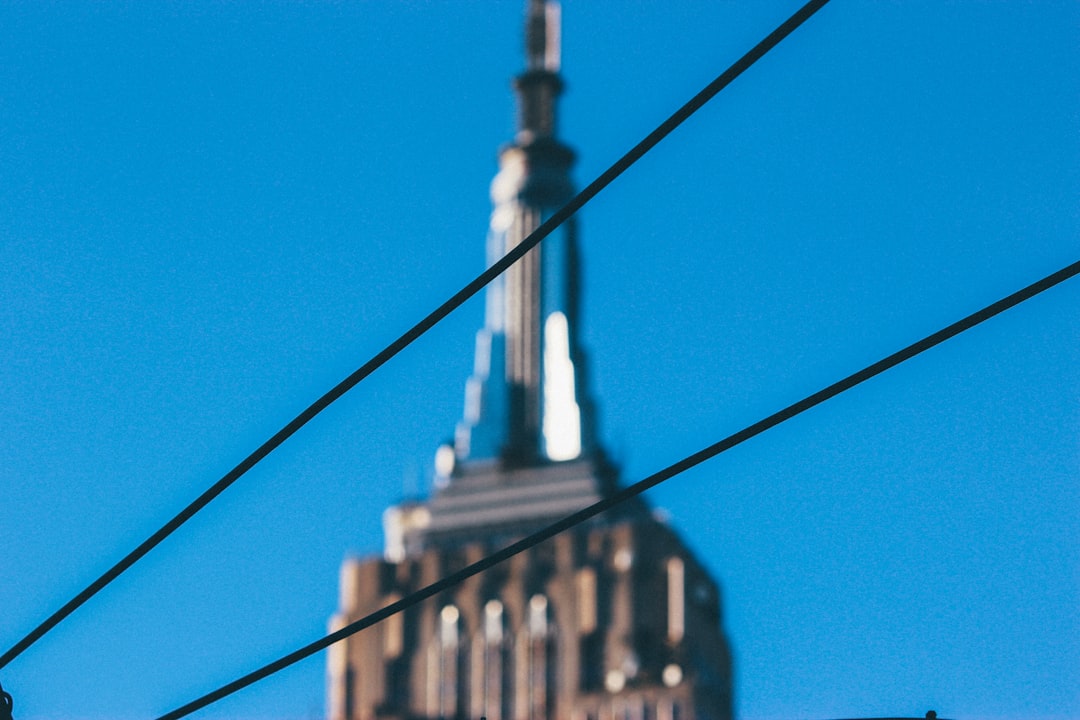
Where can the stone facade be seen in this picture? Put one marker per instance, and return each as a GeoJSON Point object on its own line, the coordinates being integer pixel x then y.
{"type": "Point", "coordinates": [610, 621]}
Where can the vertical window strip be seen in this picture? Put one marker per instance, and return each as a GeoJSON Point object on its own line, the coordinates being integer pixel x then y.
{"type": "Point", "coordinates": [448, 661]}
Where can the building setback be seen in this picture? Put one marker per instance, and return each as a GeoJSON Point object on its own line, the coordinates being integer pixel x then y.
{"type": "Point", "coordinates": [613, 620]}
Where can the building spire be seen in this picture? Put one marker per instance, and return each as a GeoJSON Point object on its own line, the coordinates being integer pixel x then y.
{"type": "Point", "coordinates": [539, 86]}
{"type": "Point", "coordinates": [525, 403]}
{"type": "Point", "coordinates": [542, 36]}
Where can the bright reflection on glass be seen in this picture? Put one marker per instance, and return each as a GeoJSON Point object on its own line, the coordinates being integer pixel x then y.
{"type": "Point", "coordinates": [562, 416]}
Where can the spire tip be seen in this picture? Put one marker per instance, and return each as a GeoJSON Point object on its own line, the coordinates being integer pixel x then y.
{"type": "Point", "coordinates": [542, 35]}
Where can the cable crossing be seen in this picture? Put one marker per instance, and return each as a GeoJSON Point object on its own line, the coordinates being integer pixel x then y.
{"type": "Point", "coordinates": [635, 489]}
{"type": "Point", "coordinates": [411, 335]}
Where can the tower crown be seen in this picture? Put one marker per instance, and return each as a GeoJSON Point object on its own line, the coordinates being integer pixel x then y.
{"type": "Point", "coordinates": [524, 454]}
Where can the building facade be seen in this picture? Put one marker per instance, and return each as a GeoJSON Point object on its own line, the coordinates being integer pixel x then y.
{"type": "Point", "coordinates": [612, 620]}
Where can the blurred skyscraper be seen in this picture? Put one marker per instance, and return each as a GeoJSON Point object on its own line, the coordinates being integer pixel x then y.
{"type": "Point", "coordinates": [614, 620]}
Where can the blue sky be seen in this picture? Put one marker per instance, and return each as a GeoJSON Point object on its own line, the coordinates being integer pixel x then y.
{"type": "Point", "coordinates": [212, 212]}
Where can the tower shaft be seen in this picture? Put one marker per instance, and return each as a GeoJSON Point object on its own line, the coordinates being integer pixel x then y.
{"type": "Point", "coordinates": [525, 402]}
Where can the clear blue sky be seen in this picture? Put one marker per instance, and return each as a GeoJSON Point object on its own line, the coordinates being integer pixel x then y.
{"type": "Point", "coordinates": [212, 212]}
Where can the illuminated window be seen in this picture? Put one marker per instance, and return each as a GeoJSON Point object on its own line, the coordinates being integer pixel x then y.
{"type": "Point", "coordinates": [538, 619]}
{"type": "Point", "coordinates": [493, 622]}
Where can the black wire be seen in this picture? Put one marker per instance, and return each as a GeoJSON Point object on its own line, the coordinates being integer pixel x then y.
{"type": "Point", "coordinates": [545, 229]}
{"type": "Point", "coordinates": [634, 490]}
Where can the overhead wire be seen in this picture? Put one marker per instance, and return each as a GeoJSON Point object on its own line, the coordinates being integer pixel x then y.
{"type": "Point", "coordinates": [411, 335]}
{"type": "Point", "coordinates": [635, 489]}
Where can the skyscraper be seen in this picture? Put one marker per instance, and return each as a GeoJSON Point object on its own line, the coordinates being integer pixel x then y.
{"type": "Point", "coordinates": [614, 620]}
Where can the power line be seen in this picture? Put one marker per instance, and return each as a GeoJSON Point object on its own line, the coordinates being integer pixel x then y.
{"type": "Point", "coordinates": [635, 489]}
{"type": "Point", "coordinates": [545, 229]}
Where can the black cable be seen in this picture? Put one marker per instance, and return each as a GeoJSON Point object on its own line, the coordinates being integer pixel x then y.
{"type": "Point", "coordinates": [545, 229]}
{"type": "Point", "coordinates": [634, 490]}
